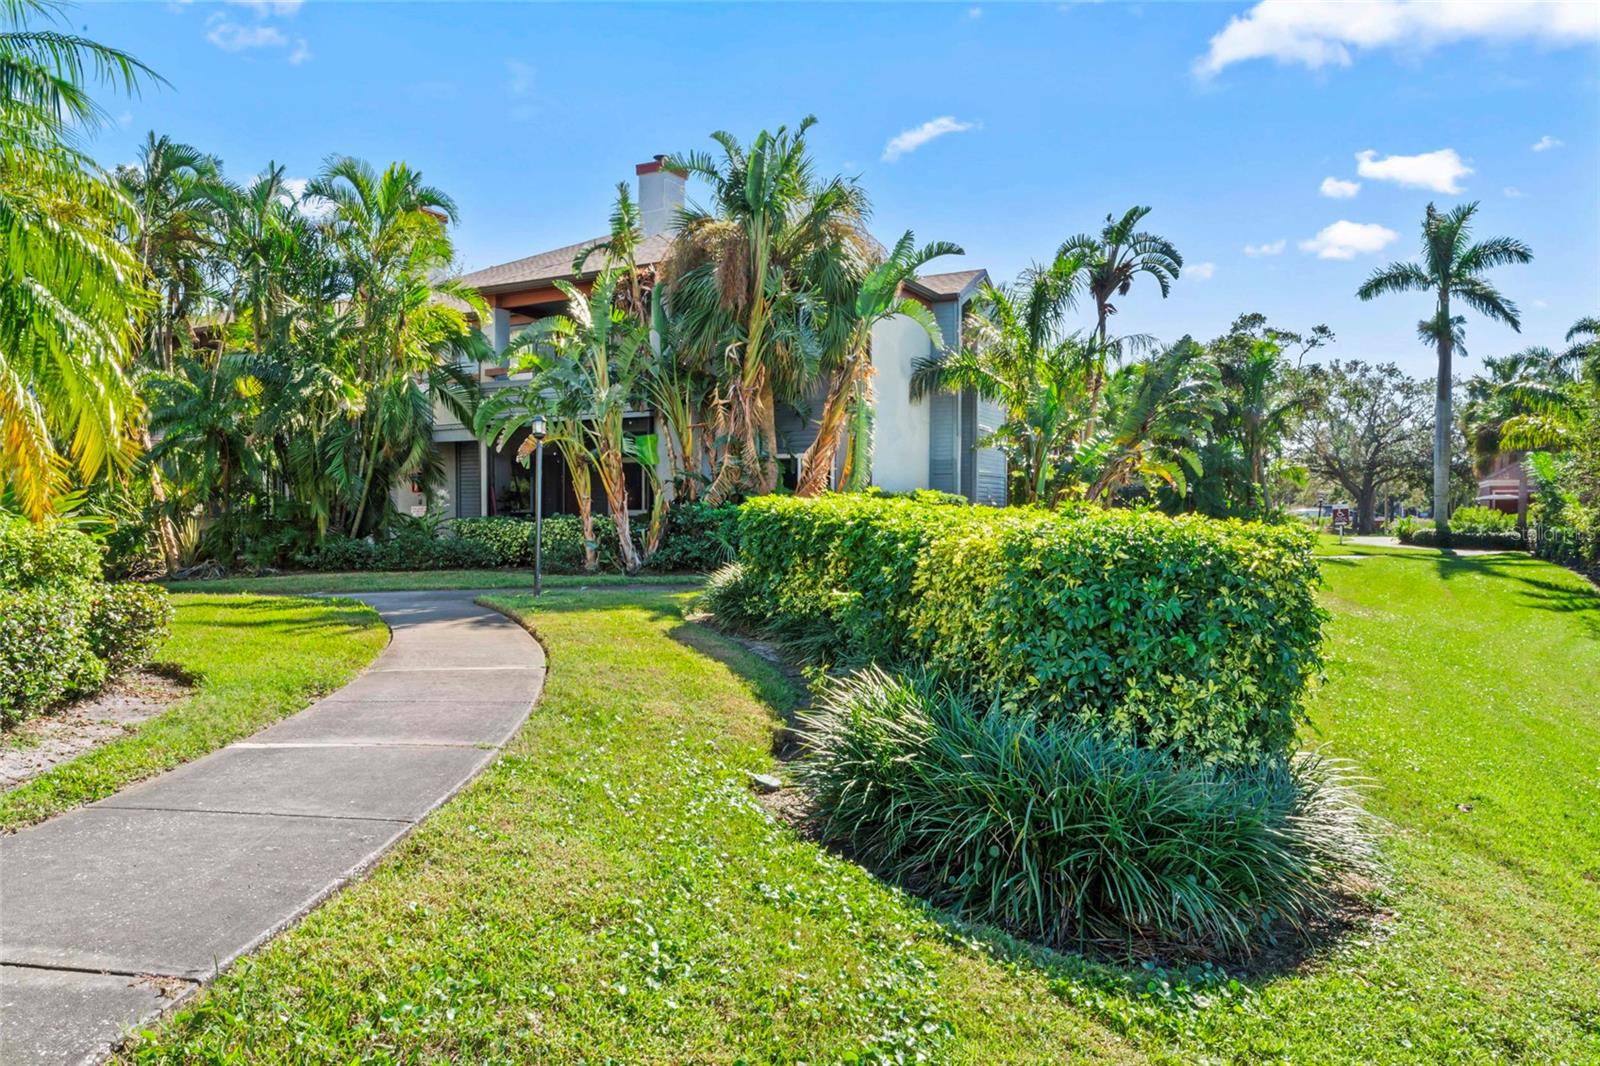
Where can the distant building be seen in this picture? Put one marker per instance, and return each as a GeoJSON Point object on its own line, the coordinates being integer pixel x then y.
{"type": "Point", "coordinates": [1506, 486]}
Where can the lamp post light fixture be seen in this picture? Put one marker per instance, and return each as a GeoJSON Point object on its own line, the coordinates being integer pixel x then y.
{"type": "Point", "coordinates": [539, 430]}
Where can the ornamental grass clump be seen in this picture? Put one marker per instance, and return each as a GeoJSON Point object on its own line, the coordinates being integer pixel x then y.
{"type": "Point", "coordinates": [1059, 835]}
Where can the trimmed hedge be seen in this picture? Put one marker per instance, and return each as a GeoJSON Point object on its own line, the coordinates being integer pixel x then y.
{"type": "Point", "coordinates": [64, 631]}
{"type": "Point", "coordinates": [408, 551]}
{"type": "Point", "coordinates": [45, 654]}
{"type": "Point", "coordinates": [510, 540]}
{"type": "Point", "coordinates": [1429, 538]}
{"type": "Point", "coordinates": [1192, 633]}
{"type": "Point", "coordinates": [127, 624]}
{"type": "Point", "coordinates": [45, 556]}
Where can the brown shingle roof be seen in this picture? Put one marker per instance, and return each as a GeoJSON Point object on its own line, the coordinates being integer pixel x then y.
{"type": "Point", "coordinates": [952, 284]}
{"type": "Point", "coordinates": [557, 263]}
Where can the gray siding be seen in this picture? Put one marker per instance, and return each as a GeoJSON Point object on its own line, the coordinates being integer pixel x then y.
{"type": "Point", "coordinates": [990, 482]}
{"type": "Point", "coordinates": [969, 436]}
{"type": "Point", "coordinates": [944, 413]}
{"type": "Point", "coordinates": [469, 503]}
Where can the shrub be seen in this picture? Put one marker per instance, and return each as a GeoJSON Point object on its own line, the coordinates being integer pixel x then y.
{"type": "Point", "coordinates": [1476, 521]}
{"type": "Point", "coordinates": [1194, 633]}
{"type": "Point", "coordinates": [727, 595]}
{"type": "Point", "coordinates": [127, 624]}
{"type": "Point", "coordinates": [510, 540]}
{"type": "Point", "coordinates": [408, 551]}
{"type": "Point", "coordinates": [45, 556]}
{"type": "Point", "coordinates": [45, 653]}
{"type": "Point", "coordinates": [699, 537]}
{"type": "Point", "coordinates": [1057, 835]}
{"type": "Point", "coordinates": [1429, 538]}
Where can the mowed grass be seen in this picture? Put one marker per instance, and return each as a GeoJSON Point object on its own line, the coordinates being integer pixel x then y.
{"type": "Point", "coordinates": [418, 580]}
{"type": "Point", "coordinates": [254, 659]}
{"type": "Point", "coordinates": [609, 891]}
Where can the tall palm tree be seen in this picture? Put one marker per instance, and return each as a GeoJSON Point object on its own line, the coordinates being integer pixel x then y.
{"type": "Point", "coordinates": [748, 279]}
{"type": "Point", "coordinates": [70, 291]}
{"type": "Point", "coordinates": [1111, 261]}
{"type": "Point", "coordinates": [410, 322]}
{"type": "Point", "coordinates": [1018, 356]}
{"type": "Point", "coordinates": [589, 366]}
{"type": "Point", "coordinates": [175, 190]}
{"type": "Point", "coordinates": [877, 297]}
{"type": "Point", "coordinates": [1452, 268]}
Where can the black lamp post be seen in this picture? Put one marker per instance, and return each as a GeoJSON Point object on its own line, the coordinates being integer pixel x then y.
{"type": "Point", "coordinates": [539, 430]}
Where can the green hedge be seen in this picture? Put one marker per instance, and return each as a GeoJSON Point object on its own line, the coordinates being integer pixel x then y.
{"type": "Point", "coordinates": [1196, 634]}
{"type": "Point", "coordinates": [63, 630]}
{"type": "Point", "coordinates": [1429, 538]}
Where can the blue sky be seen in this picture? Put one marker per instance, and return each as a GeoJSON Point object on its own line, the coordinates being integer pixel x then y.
{"type": "Point", "coordinates": [1228, 119]}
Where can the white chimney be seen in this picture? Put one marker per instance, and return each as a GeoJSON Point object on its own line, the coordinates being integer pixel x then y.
{"type": "Point", "coordinates": [660, 195]}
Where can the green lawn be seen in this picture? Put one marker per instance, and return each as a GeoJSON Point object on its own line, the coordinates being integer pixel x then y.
{"type": "Point", "coordinates": [403, 580]}
{"type": "Point", "coordinates": [608, 890]}
{"type": "Point", "coordinates": [255, 659]}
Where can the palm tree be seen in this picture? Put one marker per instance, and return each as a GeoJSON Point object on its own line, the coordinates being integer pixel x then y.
{"type": "Point", "coordinates": [590, 364]}
{"type": "Point", "coordinates": [70, 291]}
{"type": "Point", "coordinates": [1156, 414]}
{"type": "Point", "coordinates": [176, 193]}
{"type": "Point", "coordinates": [1110, 262]}
{"type": "Point", "coordinates": [1018, 356]}
{"type": "Point", "coordinates": [1266, 396]}
{"type": "Point", "coordinates": [410, 322]}
{"type": "Point", "coordinates": [878, 297]}
{"type": "Point", "coordinates": [748, 281]}
{"type": "Point", "coordinates": [1452, 268]}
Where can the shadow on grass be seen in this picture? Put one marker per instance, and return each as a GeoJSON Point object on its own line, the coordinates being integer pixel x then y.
{"type": "Point", "coordinates": [234, 611]}
{"type": "Point", "coordinates": [1571, 594]}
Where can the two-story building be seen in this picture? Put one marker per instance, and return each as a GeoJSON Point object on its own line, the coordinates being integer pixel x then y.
{"type": "Point", "coordinates": [930, 443]}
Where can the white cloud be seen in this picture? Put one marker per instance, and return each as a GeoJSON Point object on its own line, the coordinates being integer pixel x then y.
{"type": "Point", "coordinates": [974, 12]}
{"type": "Point", "coordinates": [269, 8]}
{"type": "Point", "coordinates": [1323, 33]}
{"type": "Point", "coordinates": [315, 208]}
{"type": "Point", "coordinates": [1337, 189]}
{"type": "Point", "coordinates": [910, 140]}
{"type": "Point", "coordinates": [520, 78]}
{"type": "Point", "coordinates": [1346, 240]}
{"type": "Point", "coordinates": [1200, 271]}
{"type": "Point", "coordinates": [1440, 171]}
{"type": "Point", "coordinates": [1547, 142]}
{"type": "Point", "coordinates": [1513, 193]}
{"type": "Point", "coordinates": [125, 119]}
{"type": "Point", "coordinates": [232, 36]}
{"type": "Point", "coordinates": [1270, 248]}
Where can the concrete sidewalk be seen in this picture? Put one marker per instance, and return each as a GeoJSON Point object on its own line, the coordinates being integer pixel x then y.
{"type": "Point", "coordinates": [113, 913]}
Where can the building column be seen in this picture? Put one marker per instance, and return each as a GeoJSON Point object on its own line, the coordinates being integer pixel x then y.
{"type": "Point", "coordinates": [498, 333]}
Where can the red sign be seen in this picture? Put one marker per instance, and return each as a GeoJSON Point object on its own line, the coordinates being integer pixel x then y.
{"type": "Point", "coordinates": [1341, 518]}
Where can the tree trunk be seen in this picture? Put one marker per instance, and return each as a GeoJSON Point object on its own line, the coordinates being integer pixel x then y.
{"type": "Point", "coordinates": [817, 462]}
{"type": "Point", "coordinates": [1441, 426]}
{"type": "Point", "coordinates": [1366, 508]}
{"type": "Point", "coordinates": [614, 482]}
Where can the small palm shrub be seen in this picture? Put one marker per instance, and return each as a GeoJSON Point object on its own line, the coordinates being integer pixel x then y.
{"type": "Point", "coordinates": [1058, 835]}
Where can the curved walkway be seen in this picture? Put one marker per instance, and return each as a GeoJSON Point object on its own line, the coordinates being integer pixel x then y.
{"type": "Point", "coordinates": [112, 913]}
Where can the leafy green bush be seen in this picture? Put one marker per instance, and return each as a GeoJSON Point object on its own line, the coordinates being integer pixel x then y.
{"type": "Point", "coordinates": [127, 624]}
{"type": "Point", "coordinates": [45, 653]}
{"type": "Point", "coordinates": [1193, 633]}
{"type": "Point", "coordinates": [699, 537]}
{"type": "Point", "coordinates": [510, 540]}
{"type": "Point", "coordinates": [45, 556]}
{"type": "Point", "coordinates": [727, 596]}
{"type": "Point", "coordinates": [1057, 835]}
{"type": "Point", "coordinates": [407, 551]}
{"type": "Point", "coordinates": [1477, 521]}
{"type": "Point", "coordinates": [1429, 538]}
